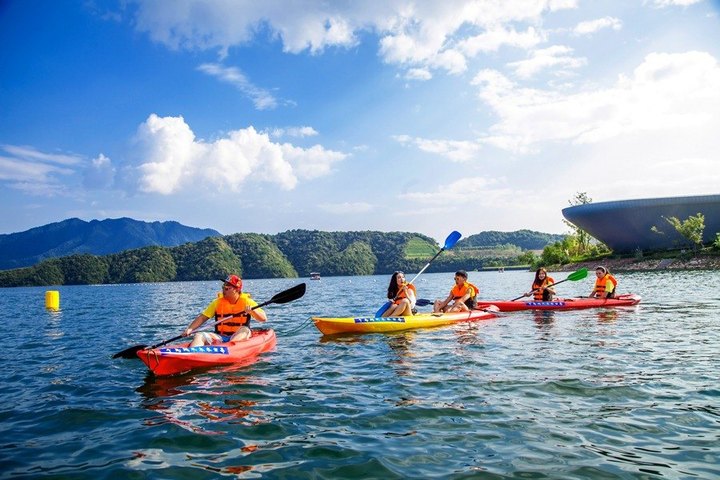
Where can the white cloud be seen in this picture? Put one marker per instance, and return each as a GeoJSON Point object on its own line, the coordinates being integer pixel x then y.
{"type": "Point", "coordinates": [262, 99]}
{"type": "Point", "coordinates": [35, 172]}
{"type": "Point", "coordinates": [455, 150]}
{"type": "Point", "coordinates": [459, 194]}
{"type": "Point", "coordinates": [425, 35]}
{"type": "Point", "coordinates": [297, 132]}
{"type": "Point", "coordinates": [20, 170]}
{"type": "Point", "coordinates": [99, 174]}
{"type": "Point", "coordinates": [418, 74]}
{"type": "Point", "coordinates": [665, 92]}
{"type": "Point", "coordinates": [31, 154]}
{"type": "Point", "coordinates": [558, 56]}
{"type": "Point", "coordinates": [592, 26]}
{"type": "Point", "coordinates": [492, 39]}
{"type": "Point", "coordinates": [346, 207]}
{"type": "Point", "coordinates": [170, 159]}
{"type": "Point", "coordinates": [675, 3]}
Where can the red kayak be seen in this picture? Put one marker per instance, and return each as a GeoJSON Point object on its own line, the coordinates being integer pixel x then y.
{"type": "Point", "coordinates": [180, 358]}
{"type": "Point", "coordinates": [563, 303]}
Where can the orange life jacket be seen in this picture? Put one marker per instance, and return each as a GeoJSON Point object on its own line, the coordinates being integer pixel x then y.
{"type": "Point", "coordinates": [538, 289]}
{"type": "Point", "coordinates": [401, 293]}
{"type": "Point", "coordinates": [467, 287]}
{"type": "Point", "coordinates": [235, 310]}
{"type": "Point", "coordinates": [601, 284]}
{"type": "Point", "coordinates": [460, 291]}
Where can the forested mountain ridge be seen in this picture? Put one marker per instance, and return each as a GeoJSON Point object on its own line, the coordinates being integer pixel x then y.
{"type": "Point", "coordinates": [525, 239]}
{"type": "Point", "coordinates": [289, 254]}
{"type": "Point", "coordinates": [97, 237]}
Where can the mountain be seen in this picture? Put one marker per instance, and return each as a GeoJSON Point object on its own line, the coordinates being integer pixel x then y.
{"type": "Point", "coordinates": [252, 255]}
{"type": "Point", "coordinates": [525, 239]}
{"type": "Point", "coordinates": [97, 237]}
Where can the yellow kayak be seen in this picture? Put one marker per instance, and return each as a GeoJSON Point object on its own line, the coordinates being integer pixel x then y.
{"type": "Point", "coordinates": [331, 326]}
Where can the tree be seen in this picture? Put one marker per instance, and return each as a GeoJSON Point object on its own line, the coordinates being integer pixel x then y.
{"type": "Point", "coordinates": [581, 236]}
{"type": "Point", "coordinates": [691, 228]}
{"type": "Point", "coordinates": [527, 258]}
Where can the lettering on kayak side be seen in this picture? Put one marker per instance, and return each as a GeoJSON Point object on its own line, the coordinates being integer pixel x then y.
{"type": "Point", "coordinates": [214, 349]}
{"type": "Point", "coordinates": [379, 319]}
{"type": "Point", "coordinates": [545, 304]}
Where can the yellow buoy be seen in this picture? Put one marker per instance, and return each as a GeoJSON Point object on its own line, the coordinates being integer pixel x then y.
{"type": "Point", "coordinates": [52, 300]}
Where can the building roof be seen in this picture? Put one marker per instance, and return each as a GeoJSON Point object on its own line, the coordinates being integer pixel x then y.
{"type": "Point", "coordinates": [626, 225]}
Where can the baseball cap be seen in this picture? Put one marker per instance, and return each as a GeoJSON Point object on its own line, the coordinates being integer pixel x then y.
{"type": "Point", "coordinates": [234, 280]}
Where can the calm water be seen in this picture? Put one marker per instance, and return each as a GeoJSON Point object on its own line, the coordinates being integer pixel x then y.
{"type": "Point", "coordinates": [625, 393]}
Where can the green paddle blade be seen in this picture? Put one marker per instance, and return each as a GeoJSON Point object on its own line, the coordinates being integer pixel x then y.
{"type": "Point", "coordinates": [579, 275]}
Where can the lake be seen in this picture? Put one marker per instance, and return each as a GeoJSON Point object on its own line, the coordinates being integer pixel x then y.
{"type": "Point", "coordinates": [591, 394]}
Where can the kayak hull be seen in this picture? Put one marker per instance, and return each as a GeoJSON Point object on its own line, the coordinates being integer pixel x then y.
{"type": "Point", "coordinates": [625, 300]}
{"type": "Point", "coordinates": [180, 358]}
{"type": "Point", "coordinates": [333, 326]}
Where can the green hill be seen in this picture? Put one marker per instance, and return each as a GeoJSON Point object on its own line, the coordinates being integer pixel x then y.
{"type": "Point", "coordinates": [289, 254]}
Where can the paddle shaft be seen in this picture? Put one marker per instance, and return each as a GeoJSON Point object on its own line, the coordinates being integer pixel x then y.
{"type": "Point", "coordinates": [579, 275]}
{"type": "Point", "coordinates": [546, 286]}
{"type": "Point", "coordinates": [426, 265]}
{"type": "Point", "coordinates": [450, 241]}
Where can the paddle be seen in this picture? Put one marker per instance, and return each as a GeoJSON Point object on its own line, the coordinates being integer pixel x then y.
{"type": "Point", "coordinates": [573, 277]}
{"type": "Point", "coordinates": [450, 242]}
{"type": "Point", "coordinates": [285, 296]}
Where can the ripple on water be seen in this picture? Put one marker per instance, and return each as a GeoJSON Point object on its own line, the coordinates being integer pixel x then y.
{"type": "Point", "coordinates": [625, 393]}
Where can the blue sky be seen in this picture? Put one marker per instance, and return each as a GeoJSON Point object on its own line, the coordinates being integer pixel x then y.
{"type": "Point", "coordinates": [396, 115]}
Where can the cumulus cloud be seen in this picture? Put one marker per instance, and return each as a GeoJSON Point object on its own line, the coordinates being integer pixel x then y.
{"type": "Point", "coordinates": [169, 158]}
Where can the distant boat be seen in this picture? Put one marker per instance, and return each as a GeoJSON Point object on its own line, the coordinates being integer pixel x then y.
{"type": "Point", "coordinates": [314, 276]}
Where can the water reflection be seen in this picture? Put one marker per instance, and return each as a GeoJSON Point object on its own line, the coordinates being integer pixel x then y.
{"type": "Point", "coordinates": [400, 344]}
{"type": "Point", "coordinates": [607, 316]}
{"type": "Point", "coordinates": [197, 399]}
{"type": "Point", "coordinates": [543, 318]}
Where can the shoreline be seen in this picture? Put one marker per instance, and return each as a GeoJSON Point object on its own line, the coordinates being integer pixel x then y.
{"type": "Point", "coordinates": [699, 262]}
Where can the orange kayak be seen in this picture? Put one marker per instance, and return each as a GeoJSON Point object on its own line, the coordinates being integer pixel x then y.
{"type": "Point", "coordinates": [180, 358]}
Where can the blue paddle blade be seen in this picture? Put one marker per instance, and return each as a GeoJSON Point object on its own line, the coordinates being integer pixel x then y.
{"type": "Point", "coordinates": [452, 239]}
{"type": "Point", "coordinates": [382, 309]}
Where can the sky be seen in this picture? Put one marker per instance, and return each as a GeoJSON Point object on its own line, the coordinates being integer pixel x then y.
{"type": "Point", "coordinates": [419, 116]}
